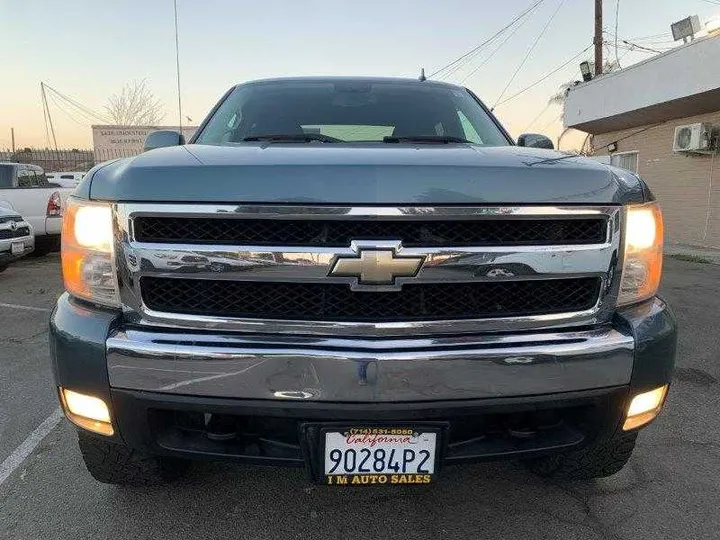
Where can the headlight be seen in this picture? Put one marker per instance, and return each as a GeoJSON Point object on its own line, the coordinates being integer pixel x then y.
{"type": "Point", "coordinates": [88, 258]}
{"type": "Point", "coordinates": [642, 267]}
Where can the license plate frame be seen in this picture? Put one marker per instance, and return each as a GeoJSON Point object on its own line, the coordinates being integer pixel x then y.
{"type": "Point", "coordinates": [315, 451]}
{"type": "Point", "coordinates": [16, 248]}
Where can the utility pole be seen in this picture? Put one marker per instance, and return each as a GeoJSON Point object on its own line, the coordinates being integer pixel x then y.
{"type": "Point", "coordinates": [177, 67]}
{"type": "Point", "coordinates": [12, 139]}
{"type": "Point", "coordinates": [598, 41]}
{"type": "Point", "coordinates": [48, 118]}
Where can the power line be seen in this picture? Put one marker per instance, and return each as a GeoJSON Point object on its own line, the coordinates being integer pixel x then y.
{"type": "Point", "coordinates": [499, 32]}
{"type": "Point", "coordinates": [55, 100]}
{"type": "Point", "coordinates": [529, 52]}
{"type": "Point", "coordinates": [544, 77]}
{"type": "Point", "coordinates": [647, 40]}
{"type": "Point", "coordinates": [653, 36]}
{"type": "Point", "coordinates": [631, 43]}
{"type": "Point", "coordinates": [643, 130]}
{"type": "Point", "coordinates": [623, 55]}
{"type": "Point", "coordinates": [79, 106]}
{"type": "Point", "coordinates": [492, 54]}
{"type": "Point", "coordinates": [531, 124]}
{"type": "Point", "coordinates": [636, 46]}
{"type": "Point", "coordinates": [551, 122]}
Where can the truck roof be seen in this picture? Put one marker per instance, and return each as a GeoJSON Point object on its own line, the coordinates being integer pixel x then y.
{"type": "Point", "coordinates": [350, 79]}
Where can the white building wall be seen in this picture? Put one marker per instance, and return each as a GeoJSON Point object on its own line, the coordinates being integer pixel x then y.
{"type": "Point", "coordinates": [685, 71]}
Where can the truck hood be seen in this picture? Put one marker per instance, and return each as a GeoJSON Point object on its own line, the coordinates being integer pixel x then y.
{"type": "Point", "coordinates": [372, 173]}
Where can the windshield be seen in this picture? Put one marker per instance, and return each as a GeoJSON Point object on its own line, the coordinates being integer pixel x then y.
{"type": "Point", "coordinates": [350, 112]}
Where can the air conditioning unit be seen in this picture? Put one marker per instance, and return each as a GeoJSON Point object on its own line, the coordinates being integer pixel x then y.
{"type": "Point", "coordinates": [693, 138]}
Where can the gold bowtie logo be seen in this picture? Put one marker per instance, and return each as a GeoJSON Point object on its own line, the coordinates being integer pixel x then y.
{"type": "Point", "coordinates": [376, 266]}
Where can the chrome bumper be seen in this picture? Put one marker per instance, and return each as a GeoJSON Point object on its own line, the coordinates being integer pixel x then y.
{"type": "Point", "coordinates": [6, 254]}
{"type": "Point", "coordinates": [368, 370]}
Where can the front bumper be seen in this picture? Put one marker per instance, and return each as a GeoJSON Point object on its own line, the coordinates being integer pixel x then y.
{"type": "Point", "coordinates": [159, 382]}
{"type": "Point", "coordinates": [363, 370]}
{"type": "Point", "coordinates": [6, 254]}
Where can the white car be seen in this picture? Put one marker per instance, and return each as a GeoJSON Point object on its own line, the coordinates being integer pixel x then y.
{"type": "Point", "coordinates": [25, 189]}
{"type": "Point", "coordinates": [16, 237]}
{"type": "Point", "coordinates": [67, 179]}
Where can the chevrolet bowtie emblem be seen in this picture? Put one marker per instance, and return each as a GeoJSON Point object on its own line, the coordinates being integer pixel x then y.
{"type": "Point", "coordinates": [376, 266]}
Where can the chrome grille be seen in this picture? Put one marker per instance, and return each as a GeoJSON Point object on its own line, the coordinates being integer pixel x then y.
{"type": "Point", "coordinates": [268, 269]}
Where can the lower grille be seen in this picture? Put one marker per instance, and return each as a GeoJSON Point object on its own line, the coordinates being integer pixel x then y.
{"type": "Point", "coordinates": [17, 233]}
{"type": "Point", "coordinates": [470, 434]}
{"type": "Point", "coordinates": [337, 302]}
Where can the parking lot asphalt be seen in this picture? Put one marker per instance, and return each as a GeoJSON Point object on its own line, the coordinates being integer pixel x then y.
{"type": "Point", "coordinates": [670, 489]}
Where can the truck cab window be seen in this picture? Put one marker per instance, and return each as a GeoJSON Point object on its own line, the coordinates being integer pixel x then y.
{"type": "Point", "coordinates": [26, 179]}
{"type": "Point", "coordinates": [7, 173]}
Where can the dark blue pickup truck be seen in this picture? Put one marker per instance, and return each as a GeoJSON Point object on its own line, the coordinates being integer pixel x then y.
{"type": "Point", "coordinates": [367, 278]}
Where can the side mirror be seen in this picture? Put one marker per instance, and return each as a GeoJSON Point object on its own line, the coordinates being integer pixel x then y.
{"type": "Point", "coordinates": [534, 140]}
{"type": "Point", "coordinates": [163, 138]}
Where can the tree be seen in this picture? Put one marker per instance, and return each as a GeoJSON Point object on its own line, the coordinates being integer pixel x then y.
{"type": "Point", "coordinates": [136, 105]}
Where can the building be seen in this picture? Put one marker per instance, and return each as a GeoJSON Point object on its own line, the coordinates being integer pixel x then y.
{"type": "Point", "coordinates": [632, 115]}
{"type": "Point", "coordinates": [110, 142]}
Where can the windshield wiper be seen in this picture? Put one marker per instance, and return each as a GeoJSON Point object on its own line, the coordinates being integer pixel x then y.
{"type": "Point", "coordinates": [294, 137]}
{"type": "Point", "coordinates": [439, 139]}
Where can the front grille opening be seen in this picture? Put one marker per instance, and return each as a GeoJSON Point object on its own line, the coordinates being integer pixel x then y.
{"type": "Point", "coordinates": [339, 233]}
{"type": "Point", "coordinates": [281, 438]}
{"type": "Point", "coordinates": [17, 233]}
{"type": "Point", "coordinates": [337, 302]}
{"type": "Point", "coordinates": [228, 435]}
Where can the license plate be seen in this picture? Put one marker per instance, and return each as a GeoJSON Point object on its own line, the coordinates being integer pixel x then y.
{"type": "Point", "coordinates": [378, 455]}
{"type": "Point", "coordinates": [17, 247]}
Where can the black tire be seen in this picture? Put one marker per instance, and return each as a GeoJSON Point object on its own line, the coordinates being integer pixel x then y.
{"type": "Point", "coordinates": [112, 463]}
{"type": "Point", "coordinates": [603, 457]}
{"type": "Point", "coordinates": [3, 268]}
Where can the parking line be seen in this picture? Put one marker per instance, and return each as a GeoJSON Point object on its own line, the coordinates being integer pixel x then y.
{"type": "Point", "coordinates": [20, 454]}
{"type": "Point", "coordinates": [30, 308]}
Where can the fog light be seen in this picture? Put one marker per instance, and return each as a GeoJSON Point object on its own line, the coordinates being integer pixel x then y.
{"type": "Point", "coordinates": [645, 407]}
{"type": "Point", "coordinates": [87, 412]}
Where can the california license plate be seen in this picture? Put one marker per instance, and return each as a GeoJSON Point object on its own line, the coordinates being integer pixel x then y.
{"type": "Point", "coordinates": [379, 455]}
{"type": "Point", "coordinates": [17, 247]}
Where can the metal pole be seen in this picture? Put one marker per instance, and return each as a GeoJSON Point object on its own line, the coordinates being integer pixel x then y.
{"type": "Point", "coordinates": [598, 41]}
{"type": "Point", "coordinates": [12, 138]}
{"type": "Point", "coordinates": [177, 66]}
{"type": "Point", "coordinates": [49, 118]}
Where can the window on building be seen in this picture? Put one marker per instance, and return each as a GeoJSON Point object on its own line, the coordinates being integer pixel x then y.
{"type": "Point", "coordinates": [625, 160]}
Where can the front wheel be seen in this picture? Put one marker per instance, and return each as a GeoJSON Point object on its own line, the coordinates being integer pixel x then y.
{"type": "Point", "coordinates": [3, 268]}
{"type": "Point", "coordinates": [603, 457]}
{"type": "Point", "coordinates": [112, 463]}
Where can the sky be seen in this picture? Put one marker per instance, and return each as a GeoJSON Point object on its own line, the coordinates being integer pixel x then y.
{"type": "Point", "coordinates": [89, 50]}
